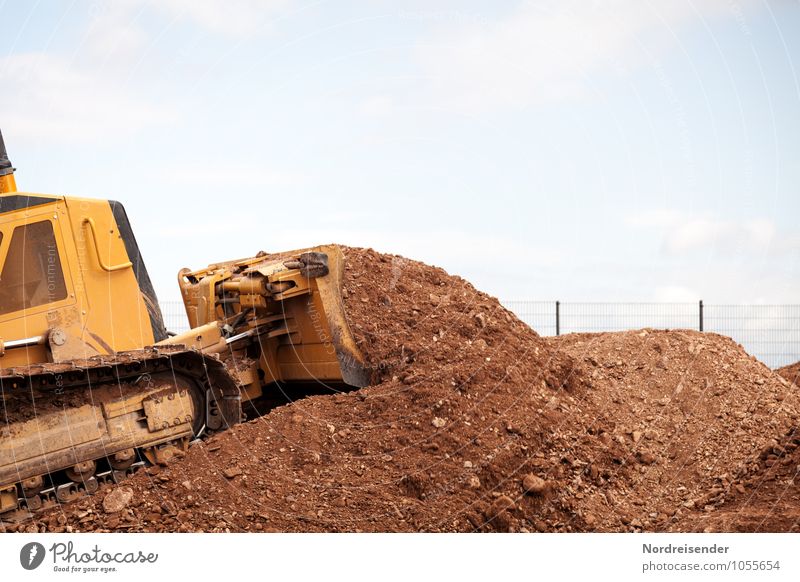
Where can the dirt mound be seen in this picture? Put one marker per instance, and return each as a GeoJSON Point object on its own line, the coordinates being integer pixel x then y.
{"type": "Point", "coordinates": [690, 408]}
{"type": "Point", "coordinates": [469, 402]}
{"type": "Point", "coordinates": [475, 423]}
{"type": "Point", "coordinates": [791, 373]}
{"type": "Point", "coordinates": [765, 496]}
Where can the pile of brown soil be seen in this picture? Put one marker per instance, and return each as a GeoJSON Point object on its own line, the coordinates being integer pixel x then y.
{"type": "Point", "coordinates": [690, 408]}
{"type": "Point", "coordinates": [469, 402]}
{"type": "Point", "coordinates": [791, 373]}
{"type": "Point", "coordinates": [475, 423]}
{"type": "Point", "coordinates": [766, 496]}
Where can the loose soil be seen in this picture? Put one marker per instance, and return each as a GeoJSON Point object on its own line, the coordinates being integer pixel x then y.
{"type": "Point", "coordinates": [476, 423]}
{"type": "Point", "coordinates": [791, 373]}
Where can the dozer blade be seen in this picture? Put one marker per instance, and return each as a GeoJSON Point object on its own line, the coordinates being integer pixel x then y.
{"type": "Point", "coordinates": [353, 367]}
{"type": "Point", "coordinates": [289, 304]}
{"type": "Point", "coordinates": [321, 346]}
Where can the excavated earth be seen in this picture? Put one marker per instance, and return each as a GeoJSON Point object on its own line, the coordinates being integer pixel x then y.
{"type": "Point", "coordinates": [475, 423]}
{"type": "Point", "coordinates": [791, 373]}
{"type": "Point", "coordinates": [714, 432]}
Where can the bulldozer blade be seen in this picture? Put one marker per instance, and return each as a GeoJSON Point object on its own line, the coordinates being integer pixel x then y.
{"type": "Point", "coordinates": [353, 366]}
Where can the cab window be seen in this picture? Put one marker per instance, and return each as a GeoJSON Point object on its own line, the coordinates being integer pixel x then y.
{"type": "Point", "coordinates": [32, 273]}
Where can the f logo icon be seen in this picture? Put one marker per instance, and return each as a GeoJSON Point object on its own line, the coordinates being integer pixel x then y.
{"type": "Point", "coordinates": [31, 555]}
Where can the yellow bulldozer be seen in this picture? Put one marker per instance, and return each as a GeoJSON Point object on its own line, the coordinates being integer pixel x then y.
{"type": "Point", "coordinates": [92, 385]}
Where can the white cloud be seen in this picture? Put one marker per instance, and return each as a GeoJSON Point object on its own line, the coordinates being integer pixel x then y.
{"type": "Point", "coordinates": [698, 234]}
{"type": "Point", "coordinates": [122, 31]}
{"type": "Point", "coordinates": [675, 294]}
{"type": "Point", "coordinates": [115, 30]}
{"type": "Point", "coordinates": [377, 106]}
{"type": "Point", "coordinates": [232, 17]}
{"type": "Point", "coordinates": [231, 175]}
{"type": "Point", "coordinates": [656, 218]}
{"type": "Point", "coordinates": [45, 97]}
{"type": "Point", "coordinates": [548, 50]}
{"type": "Point", "coordinates": [684, 234]}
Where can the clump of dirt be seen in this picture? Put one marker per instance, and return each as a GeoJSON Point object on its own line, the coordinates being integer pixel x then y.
{"type": "Point", "coordinates": [475, 423]}
{"type": "Point", "coordinates": [690, 408]}
{"type": "Point", "coordinates": [791, 373]}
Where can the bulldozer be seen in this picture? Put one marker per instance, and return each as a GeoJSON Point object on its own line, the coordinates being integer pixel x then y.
{"type": "Point", "coordinates": [92, 384]}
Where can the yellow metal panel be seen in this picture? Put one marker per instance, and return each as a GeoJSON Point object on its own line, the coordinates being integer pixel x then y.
{"type": "Point", "coordinates": [114, 308]}
{"type": "Point", "coordinates": [8, 184]}
{"type": "Point", "coordinates": [49, 434]}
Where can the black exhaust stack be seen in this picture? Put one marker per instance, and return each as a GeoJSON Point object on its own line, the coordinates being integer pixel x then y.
{"type": "Point", "coordinates": [5, 164]}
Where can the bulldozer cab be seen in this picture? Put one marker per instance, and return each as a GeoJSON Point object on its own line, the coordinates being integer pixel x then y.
{"type": "Point", "coordinates": [72, 281]}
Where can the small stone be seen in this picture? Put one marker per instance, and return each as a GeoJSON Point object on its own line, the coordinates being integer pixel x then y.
{"type": "Point", "coordinates": [117, 500]}
{"type": "Point", "coordinates": [187, 485]}
{"type": "Point", "coordinates": [438, 422]}
{"type": "Point", "coordinates": [646, 458]}
{"type": "Point", "coordinates": [468, 464]}
{"type": "Point", "coordinates": [232, 472]}
{"type": "Point", "coordinates": [502, 504]}
{"type": "Point", "coordinates": [474, 482]}
{"type": "Point", "coordinates": [169, 507]}
{"type": "Point", "coordinates": [637, 436]}
{"type": "Point", "coordinates": [439, 300]}
{"type": "Point", "coordinates": [534, 485]}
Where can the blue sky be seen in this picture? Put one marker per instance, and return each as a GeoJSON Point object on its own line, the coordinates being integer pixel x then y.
{"type": "Point", "coordinates": [614, 151]}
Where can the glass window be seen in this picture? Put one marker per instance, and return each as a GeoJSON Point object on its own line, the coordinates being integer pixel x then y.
{"type": "Point", "coordinates": [32, 273]}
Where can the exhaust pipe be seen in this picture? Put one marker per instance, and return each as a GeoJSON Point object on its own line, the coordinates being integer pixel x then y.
{"type": "Point", "coordinates": [7, 181]}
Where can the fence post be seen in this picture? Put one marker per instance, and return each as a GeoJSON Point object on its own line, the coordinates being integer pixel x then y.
{"type": "Point", "coordinates": [558, 317]}
{"type": "Point", "coordinates": [701, 315]}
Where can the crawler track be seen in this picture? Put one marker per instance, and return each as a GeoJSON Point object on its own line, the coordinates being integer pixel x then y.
{"type": "Point", "coordinates": [68, 427]}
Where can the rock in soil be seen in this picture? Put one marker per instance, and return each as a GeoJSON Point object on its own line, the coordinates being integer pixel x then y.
{"type": "Point", "coordinates": [117, 499]}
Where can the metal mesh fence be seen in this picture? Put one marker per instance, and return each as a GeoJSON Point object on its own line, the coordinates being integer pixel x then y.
{"type": "Point", "coordinates": [769, 332]}
{"type": "Point", "coordinates": [174, 316]}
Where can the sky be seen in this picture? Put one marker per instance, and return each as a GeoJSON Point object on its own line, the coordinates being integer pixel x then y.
{"type": "Point", "coordinates": [627, 150]}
